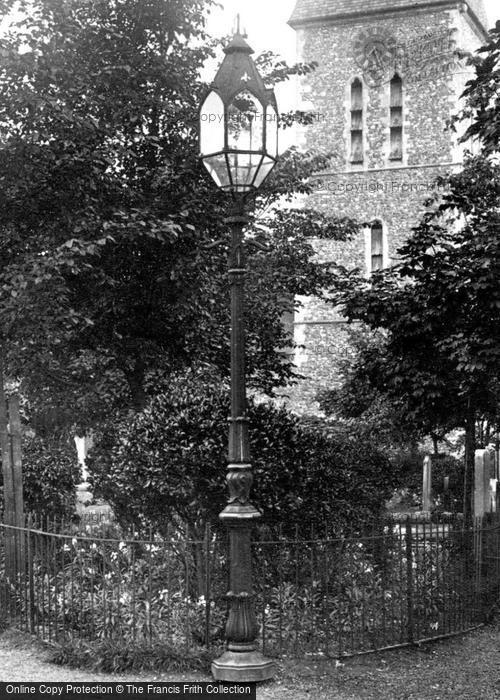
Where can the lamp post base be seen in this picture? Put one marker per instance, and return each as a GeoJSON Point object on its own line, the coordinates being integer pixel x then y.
{"type": "Point", "coordinates": [243, 667]}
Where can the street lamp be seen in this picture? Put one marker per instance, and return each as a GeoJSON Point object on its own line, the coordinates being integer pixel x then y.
{"type": "Point", "coordinates": [239, 148]}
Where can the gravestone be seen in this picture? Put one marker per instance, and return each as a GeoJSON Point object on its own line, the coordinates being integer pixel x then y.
{"type": "Point", "coordinates": [427, 485]}
{"type": "Point", "coordinates": [83, 493]}
{"type": "Point", "coordinates": [447, 502]}
{"type": "Point", "coordinates": [484, 482]}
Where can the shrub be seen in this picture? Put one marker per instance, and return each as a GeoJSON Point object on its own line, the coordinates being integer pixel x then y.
{"type": "Point", "coordinates": [108, 656]}
{"type": "Point", "coordinates": [168, 463]}
{"type": "Point", "coordinates": [50, 475]}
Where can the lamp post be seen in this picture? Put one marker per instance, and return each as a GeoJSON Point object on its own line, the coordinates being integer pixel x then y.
{"type": "Point", "coordinates": [239, 148]}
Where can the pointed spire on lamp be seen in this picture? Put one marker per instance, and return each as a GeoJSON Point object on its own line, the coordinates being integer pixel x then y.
{"type": "Point", "coordinates": [239, 30]}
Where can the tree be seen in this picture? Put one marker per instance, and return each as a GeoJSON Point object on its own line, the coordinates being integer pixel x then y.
{"type": "Point", "coordinates": [440, 308]}
{"type": "Point", "coordinates": [482, 95]}
{"type": "Point", "coordinates": [112, 270]}
{"type": "Point", "coordinates": [360, 401]}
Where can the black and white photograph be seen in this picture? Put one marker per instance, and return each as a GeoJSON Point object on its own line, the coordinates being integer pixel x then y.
{"type": "Point", "coordinates": [250, 349]}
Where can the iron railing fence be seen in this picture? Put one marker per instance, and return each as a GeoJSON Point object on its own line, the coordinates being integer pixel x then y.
{"type": "Point", "coordinates": [83, 581]}
{"type": "Point", "coordinates": [404, 583]}
{"type": "Point", "coordinates": [401, 583]}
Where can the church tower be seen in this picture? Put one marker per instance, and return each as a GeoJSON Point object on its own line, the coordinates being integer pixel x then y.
{"type": "Point", "coordinates": [388, 80]}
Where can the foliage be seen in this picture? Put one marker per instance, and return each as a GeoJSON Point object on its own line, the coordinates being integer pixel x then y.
{"type": "Point", "coordinates": [359, 600]}
{"type": "Point", "coordinates": [126, 605]}
{"type": "Point", "coordinates": [168, 463]}
{"type": "Point", "coordinates": [108, 656]}
{"type": "Point", "coordinates": [120, 590]}
{"type": "Point", "coordinates": [360, 402]}
{"type": "Point", "coordinates": [482, 95]}
{"type": "Point", "coordinates": [50, 475]}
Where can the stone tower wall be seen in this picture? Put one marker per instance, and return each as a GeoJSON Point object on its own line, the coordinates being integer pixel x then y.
{"type": "Point", "coordinates": [392, 192]}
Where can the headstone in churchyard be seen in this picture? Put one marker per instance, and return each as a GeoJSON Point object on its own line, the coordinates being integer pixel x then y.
{"type": "Point", "coordinates": [83, 494]}
{"type": "Point", "coordinates": [427, 485]}
{"type": "Point", "coordinates": [484, 482]}
{"type": "Point", "coordinates": [446, 494]}
{"type": "Point", "coordinates": [492, 492]}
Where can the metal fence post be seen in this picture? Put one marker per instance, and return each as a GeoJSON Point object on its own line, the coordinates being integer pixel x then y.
{"type": "Point", "coordinates": [208, 597]}
{"type": "Point", "coordinates": [17, 482]}
{"type": "Point", "coordinates": [31, 582]}
{"type": "Point", "coordinates": [409, 579]}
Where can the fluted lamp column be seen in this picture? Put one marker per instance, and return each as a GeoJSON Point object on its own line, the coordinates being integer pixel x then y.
{"type": "Point", "coordinates": [239, 148]}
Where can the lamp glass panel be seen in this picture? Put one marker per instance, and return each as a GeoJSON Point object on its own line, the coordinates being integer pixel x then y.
{"type": "Point", "coordinates": [271, 131]}
{"type": "Point", "coordinates": [217, 167]}
{"type": "Point", "coordinates": [245, 123]}
{"type": "Point", "coordinates": [243, 168]}
{"type": "Point", "coordinates": [264, 170]}
{"type": "Point", "coordinates": [212, 125]}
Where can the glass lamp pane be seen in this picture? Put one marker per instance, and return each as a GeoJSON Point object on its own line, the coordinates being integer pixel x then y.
{"type": "Point", "coordinates": [264, 170]}
{"type": "Point", "coordinates": [245, 123]}
{"type": "Point", "coordinates": [212, 125]}
{"type": "Point", "coordinates": [243, 168]}
{"type": "Point", "coordinates": [271, 131]}
{"type": "Point", "coordinates": [217, 167]}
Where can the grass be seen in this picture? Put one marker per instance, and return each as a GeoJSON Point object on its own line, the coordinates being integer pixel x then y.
{"type": "Point", "coordinates": [462, 668]}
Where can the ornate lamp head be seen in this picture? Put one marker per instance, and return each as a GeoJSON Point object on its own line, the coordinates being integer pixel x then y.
{"type": "Point", "coordinates": [239, 123]}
